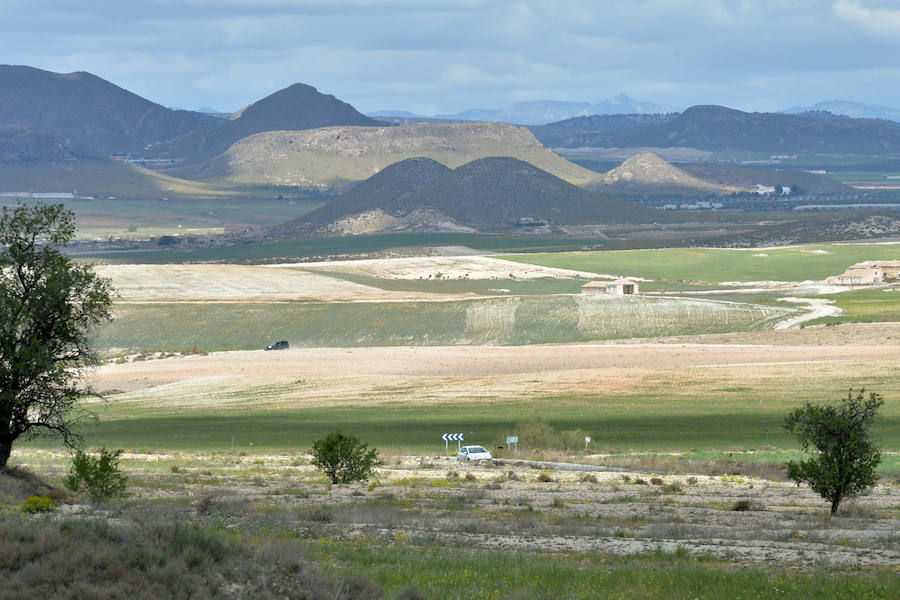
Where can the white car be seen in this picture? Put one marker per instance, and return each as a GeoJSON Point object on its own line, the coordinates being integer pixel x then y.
{"type": "Point", "coordinates": [474, 453]}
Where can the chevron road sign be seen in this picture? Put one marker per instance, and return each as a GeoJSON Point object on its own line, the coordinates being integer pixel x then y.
{"type": "Point", "coordinates": [451, 437]}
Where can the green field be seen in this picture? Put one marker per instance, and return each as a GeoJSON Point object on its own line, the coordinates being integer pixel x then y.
{"type": "Point", "coordinates": [881, 304]}
{"type": "Point", "coordinates": [701, 414]}
{"type": "Point", "coordinates": [516, 320]}
{"type": "Point", "coordinates": [716, 265]}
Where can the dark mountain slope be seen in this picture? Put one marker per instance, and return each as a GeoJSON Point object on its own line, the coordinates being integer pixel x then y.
{"type": "Point", "coordinates": [578, 132]}
{"type": "Point", "coordinates": [717, 128]}
{"type": "Point", "coordinates": [486, 194]}
{"type": "Point", "coordinates": [494, 192]}
{"type": "Point", "coordinates": [19, 144]}
{"type": "Point", "coordinates": [390, 190]}
{"type": "Point", "coordinates": [89, 110]}
{"type": "Point", "coordinates": [294, 108]}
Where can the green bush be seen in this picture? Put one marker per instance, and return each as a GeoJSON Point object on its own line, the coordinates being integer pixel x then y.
{"type": "Point", "coordinates": [98, 475]}
{"type": "Point", "coordinates": [836, 435]}
{"type": "Point", "coordinates": [345, 459]}
{"type": "Point", "coordinates": [37, 504]}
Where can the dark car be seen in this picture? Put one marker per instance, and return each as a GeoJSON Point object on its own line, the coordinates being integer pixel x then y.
{"type": "Point", "coordinates": [280, 345]}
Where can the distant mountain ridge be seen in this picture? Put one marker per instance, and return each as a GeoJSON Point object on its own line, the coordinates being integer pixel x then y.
{"type": "Point", "coordinates": [94, 113]}
{"type": "Point", "coordinates": [89, 110]}
{"type": "Point", "coordinates": [541, 112]}
{"type": "Point", "coordinates": [847, 108]}
{"type": "Point", "coordinates": [717, 128]}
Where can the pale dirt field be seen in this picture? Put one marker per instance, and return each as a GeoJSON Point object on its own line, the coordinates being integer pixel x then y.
{"type": "Point", "coordinates": [312, 376]}
{"type": "Point", "coordinates": [449, 267]}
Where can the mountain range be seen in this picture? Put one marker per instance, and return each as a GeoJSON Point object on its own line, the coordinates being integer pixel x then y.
{"type": "Point", "coordinates": [541, 112]}
{"type": "Point", "coordinates": [717, 128]}
{"type": "Point", "coordinates": [848, 108]}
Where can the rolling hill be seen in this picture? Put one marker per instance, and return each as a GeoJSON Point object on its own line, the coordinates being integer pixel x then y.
{"type": "Point", "coordinates": [332, 157]}
{"type": "Point", "coordinates": [488, 194]}
{"type": "Point", "coordinates": [89, 110]}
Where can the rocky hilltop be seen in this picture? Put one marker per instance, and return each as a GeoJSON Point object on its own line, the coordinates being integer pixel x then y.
{"type": "Point", "coordinates": [651, 172]}
{"type": "Point", "coordinates": [332, 157]}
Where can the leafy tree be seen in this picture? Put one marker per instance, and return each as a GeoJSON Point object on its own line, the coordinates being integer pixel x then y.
{"type": "Point", "coordinates": [844, 458]}
{"type": "Point", "coordinates": [98, 475]}
{"type": "Point", "coordinates": [344, 458]}
{"type": "Point", "coordinates": [48, 303]}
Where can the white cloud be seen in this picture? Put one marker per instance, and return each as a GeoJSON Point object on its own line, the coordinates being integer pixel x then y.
{"type": "Point", "coordinates": [427, 56]}
{"type": "Point", "coordinates": [883, 22]}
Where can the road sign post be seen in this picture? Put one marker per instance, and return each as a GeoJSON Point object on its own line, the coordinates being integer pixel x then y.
{"type": "Point", "coordinates": [451, 437]}
{"type": "Point", "coordinates": [512, 440]}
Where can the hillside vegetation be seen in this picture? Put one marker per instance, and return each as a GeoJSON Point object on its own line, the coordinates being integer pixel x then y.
{"type": "Point", "coordinates": [336, 156]}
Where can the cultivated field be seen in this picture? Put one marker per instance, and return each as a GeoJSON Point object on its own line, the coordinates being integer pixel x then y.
{"type": "Point", "coordinates": [682, 392]}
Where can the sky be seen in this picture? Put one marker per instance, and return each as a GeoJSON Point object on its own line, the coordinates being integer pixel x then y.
{"type": "Point", "coordinates": [433, 57]}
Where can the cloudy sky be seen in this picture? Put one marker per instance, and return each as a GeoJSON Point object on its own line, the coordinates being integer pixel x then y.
{"type": "Point", "coordinates": [445, 56]}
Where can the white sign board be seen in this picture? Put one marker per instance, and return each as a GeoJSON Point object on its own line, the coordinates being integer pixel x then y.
{"type": "Point", "coordinates": [512, 439]}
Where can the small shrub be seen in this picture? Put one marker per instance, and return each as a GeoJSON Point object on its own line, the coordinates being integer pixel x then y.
{"type": "Point", "coordinates": [37, 504]}
{"type": "Point", "coordinates": [493, 486]}
{"type": "Point", "coordinates": [545, 477]}
{"type": "Point", "coordinates": [470, 477]}
{"type": "Point", "coordinates": [671, 488]}
{"type": "Point", "coordinates": [372, 486]}
{"type": "Point", "coordinates": [742, 506]}
{"type": "Point", "coordinates": [558, 503]}
{"type": "Point", "coordinates": [344, 458]}
{"type": "Point", "coordinates": [511, 476]}
{"type": "Point", "coordinates": [626, 478]}
{"type": "Point", "coordinates": [692, 480]}
{"type": "Point", "coordinates": [657, 481]}
{"type": "Point", "coordinates": [639, 481]}
{"type": "Point", "coordinates": [587, 478]}
{"type": "Point", "coordinates": [99, 475]}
